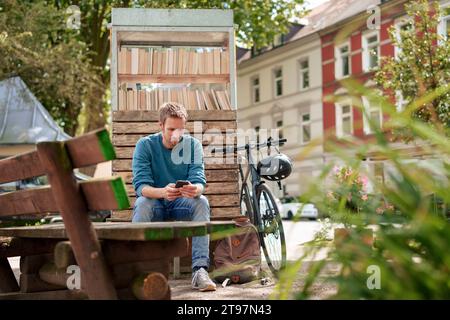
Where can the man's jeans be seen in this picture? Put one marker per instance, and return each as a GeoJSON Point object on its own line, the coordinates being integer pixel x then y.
{"type": "Point", "coordinates": [196, 209]}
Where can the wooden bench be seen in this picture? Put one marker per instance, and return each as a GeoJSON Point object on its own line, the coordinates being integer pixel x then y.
{"type": "Point", "coordinates": [116, 260]}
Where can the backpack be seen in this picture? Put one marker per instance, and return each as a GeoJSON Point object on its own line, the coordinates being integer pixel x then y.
{"type": "Point", "coordinates": [238, 256]}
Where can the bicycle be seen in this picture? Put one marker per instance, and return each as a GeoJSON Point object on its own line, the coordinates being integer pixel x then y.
{"type": "Point", "coordinates": [258, 204]}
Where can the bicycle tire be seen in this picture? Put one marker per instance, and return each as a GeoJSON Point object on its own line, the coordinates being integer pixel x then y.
{"type": "Point", "coordinates": [270, 228]}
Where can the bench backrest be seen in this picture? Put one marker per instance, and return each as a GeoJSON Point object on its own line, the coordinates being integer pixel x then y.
{"type": "Point", "coordinates": [72, 199]}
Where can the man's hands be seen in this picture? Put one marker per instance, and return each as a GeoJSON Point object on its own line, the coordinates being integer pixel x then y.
{"type": "Point", "coordinates": [171, 193]}
{"type": "Point", "coordinates": [188, 191]}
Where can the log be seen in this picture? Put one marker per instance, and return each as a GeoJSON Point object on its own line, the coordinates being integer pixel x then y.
{"type": "Point", "coordinates": [63, 255]}
{"type": "Point", "coordinates": [153, 286]}
{"type": "Point", "coordinates": [123, 274]}
{"type": "Point", "coordinates": [33, 283]}
{"type": "Point", "coordinates": [119, 252]}
{"type": "Point", "coordinates": [8, 281]}
{"type": "Point", "coordinates": [32, 264]}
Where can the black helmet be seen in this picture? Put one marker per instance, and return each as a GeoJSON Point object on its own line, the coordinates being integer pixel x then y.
{"type": "Point", "coordinates": [275, 168]}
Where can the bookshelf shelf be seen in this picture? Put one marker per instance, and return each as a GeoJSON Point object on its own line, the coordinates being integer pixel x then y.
{"type": "Point", "coordinates": [187, 78]}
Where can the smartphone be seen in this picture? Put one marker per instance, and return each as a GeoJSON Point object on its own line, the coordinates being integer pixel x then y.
{"type": "Point", "coordinates": [181, 183]}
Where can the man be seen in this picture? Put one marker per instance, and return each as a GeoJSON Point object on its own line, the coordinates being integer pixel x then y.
{"type": "Point", "coordinates": [161, 159]}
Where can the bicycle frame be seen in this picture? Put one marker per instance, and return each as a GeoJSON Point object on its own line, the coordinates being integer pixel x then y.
{"type": "Point", "coordinates": [255, 180]}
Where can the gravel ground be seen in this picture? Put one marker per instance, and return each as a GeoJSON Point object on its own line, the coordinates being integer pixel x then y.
{"type": "Point", "coordinates": [181, 288]}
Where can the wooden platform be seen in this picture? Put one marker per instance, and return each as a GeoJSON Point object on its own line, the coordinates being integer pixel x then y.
{"type": "Point", "coordinates": [126, 230]}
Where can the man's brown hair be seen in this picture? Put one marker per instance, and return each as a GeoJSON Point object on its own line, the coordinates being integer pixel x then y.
{"type": "Point", "coordinates": [171, 109]}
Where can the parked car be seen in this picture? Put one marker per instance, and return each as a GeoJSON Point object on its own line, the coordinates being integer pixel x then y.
{"type": "Point", "coordinates": [300, 210]}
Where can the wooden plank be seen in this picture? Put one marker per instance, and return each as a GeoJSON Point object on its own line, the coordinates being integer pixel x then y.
{"type": "Point", "coordinates": [33, 283]}
{"type": "Point", "coordinates": [100, 194]}
{"type": "Point", "coordinates": [127, 153]}
{"type": "Point", "coordinates": [46, 295]}
{"type": "Point", "coordinates": [217, 200]}
{"type": "Point", "coordinates": [211, 188]}
{"type": "Point", "coordinates": [216, 213]}
{"type": "Point", "coordinates": [91, 148]}
{"type": "Point", "coordinates": [191, 127]}
{"type": "Point", "coordinates": [20, 167]}
{"type": "Point", "coordinates": [37, 200]}
{"type": "Point", "coordinates": [212, 175]}
{"type": "Point", "coordinates": [73, 209]}
{"type": "Point", "coordinates": [105, 194]}
{"type": "Point", "coordinates": [25, 247]}
{"type": "Point", "coordinates": [117, 231]}
{"type": "Point", "coordinates": [125, 165]}
{"type": "Point", "coordinates": [216, 140]}
{"type": "Point", "coordinates": [8, 281]}
{"type": "Point", "coordinates": [193, 115]}
{"type": "Point", "coordinates": [85, 150]}
{"type": "Point", "coordinates": [190, 78]}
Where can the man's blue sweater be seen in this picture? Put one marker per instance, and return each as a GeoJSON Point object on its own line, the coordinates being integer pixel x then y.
{"type": "Point", "coordinates": [156, 166]}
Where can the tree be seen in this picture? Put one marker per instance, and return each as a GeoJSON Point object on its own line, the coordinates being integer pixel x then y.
{"type": "Point", "coordinates": [258, 21]}
{"type": "Point", "coordinates": [35, 45]}
{"type": "Point", "coordinates": [422, 65]}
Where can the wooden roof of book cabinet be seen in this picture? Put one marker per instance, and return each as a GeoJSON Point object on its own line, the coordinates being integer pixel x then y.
{"type": "Point", "coordinates": [181, 55]}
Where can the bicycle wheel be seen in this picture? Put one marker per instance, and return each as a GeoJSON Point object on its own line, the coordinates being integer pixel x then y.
{"type": "Point", "coordinates": [246, 203]}
{"type": "Point", "coordinates": [271, 230]}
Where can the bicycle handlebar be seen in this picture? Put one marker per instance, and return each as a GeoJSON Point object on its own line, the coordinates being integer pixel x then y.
{"type": "Point", "coordinates": [268, 143]}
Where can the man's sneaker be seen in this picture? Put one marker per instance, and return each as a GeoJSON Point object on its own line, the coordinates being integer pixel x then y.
{"type": "Point", "coordinates": [202, 282]}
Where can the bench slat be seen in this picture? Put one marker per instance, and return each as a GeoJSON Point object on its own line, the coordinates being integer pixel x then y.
{"type": "Point", "coordinates": [100, 194]}
{"type": "Point", "coordinates": [91, 148]}
{"type": "Point", "coordinates": [193, 115]}
{"type": "Point", "coordinates": [122, 231]}
{"type": "Point", "coordinates": [21, 167]}
{"type": "Point", "coordinates": [85, 150]}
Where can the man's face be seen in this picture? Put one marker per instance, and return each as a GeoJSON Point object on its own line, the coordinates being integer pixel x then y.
{"type": "Point", "coordinates": [172, 130]}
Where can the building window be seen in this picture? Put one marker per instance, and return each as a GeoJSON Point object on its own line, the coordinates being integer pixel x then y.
{"type": "Point", "coordinates": [444, 25]}
{"type": "Point", "coordinates": [278, 40]}
{"type": "Point", "coordinates": [255, 90]}
{"type": "Point", "coordinates": [342, 68]}
{"type": "Point", "coordinates": [306, 128]}
{"type": "Point", "coordinates": [402, 25]}
{"type": "Point", "coordinates": [371, 51]}
{"type": "Point", "coordinates": [400, 102]}
{"type": "Point", "coordinates": [304, 73]}
{"type": "Point", "coordinates": [344, 119]}
{"type": "Point", "coordinates": [372, 115]}
{"type": "Point", "coordinates": [278, 77]}
{"type": "Point", "coordinates": [279, 124]}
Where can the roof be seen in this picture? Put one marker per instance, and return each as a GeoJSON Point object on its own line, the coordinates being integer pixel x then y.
{"type": "Point", "coordinates": [322, 17]}
{"type": "Point", "coordinates": [23, 119]}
